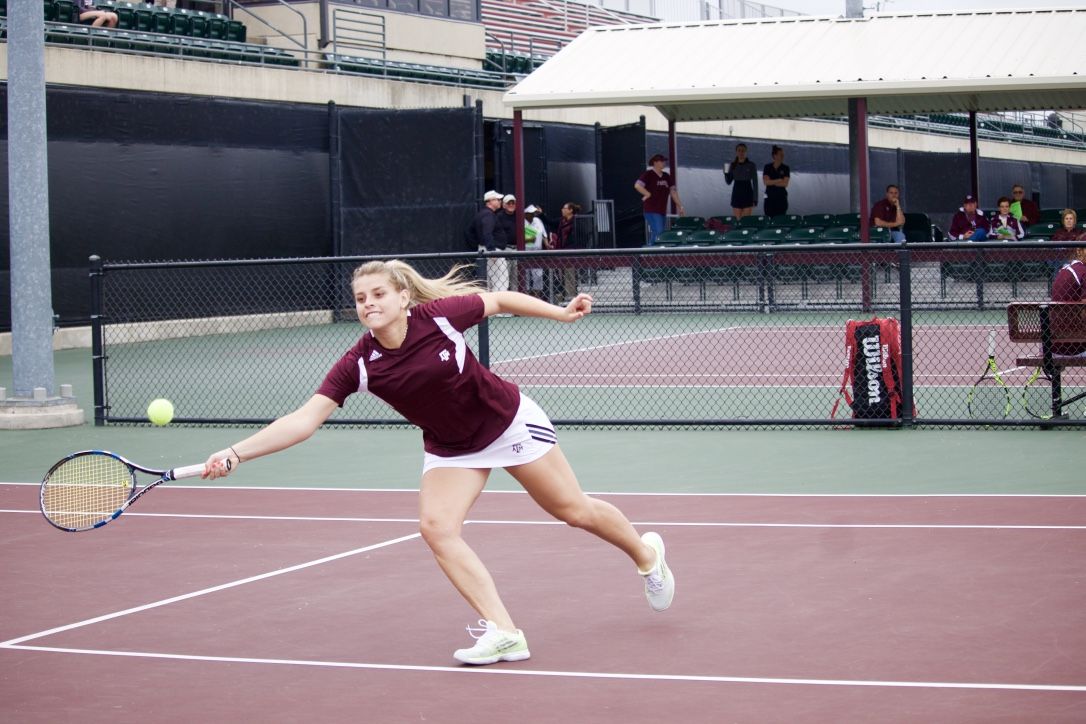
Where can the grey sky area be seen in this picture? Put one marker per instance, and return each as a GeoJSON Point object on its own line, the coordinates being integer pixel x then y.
{"type": "Point", "coordinates": [837, 7]}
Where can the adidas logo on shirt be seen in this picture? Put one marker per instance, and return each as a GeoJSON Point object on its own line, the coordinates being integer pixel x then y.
{"type": "Point", "coordinates": [374, 355]}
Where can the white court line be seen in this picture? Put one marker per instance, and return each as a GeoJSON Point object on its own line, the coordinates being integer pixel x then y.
{"type": "Point", "coordinates": [204, 591]}
{"type": "Point", "coordinates": [479, 671]}
{"type": "Point", "coordinates": [615, 344]}
{"type": "Point", "coordinates": [644, 523]}
{"type": "Point", "coordinates": [671, 494]}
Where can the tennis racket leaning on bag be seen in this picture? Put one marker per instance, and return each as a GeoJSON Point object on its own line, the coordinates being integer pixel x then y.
{"type": "Point", "coordinates": [989, 398]}
{"type": "Point", "coordinates": [88, 489]}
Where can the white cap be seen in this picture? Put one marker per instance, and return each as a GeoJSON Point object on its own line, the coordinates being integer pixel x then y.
{"type": "Point", "coordinates": [508, 197]}
{"type": "Point", "coordinates": [491, 195]}
{"type": "Point", "coordinates": [533, 209]}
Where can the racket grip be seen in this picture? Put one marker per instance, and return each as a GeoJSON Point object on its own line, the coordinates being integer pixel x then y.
{"type": "Point", "coordinates": [193, 471]}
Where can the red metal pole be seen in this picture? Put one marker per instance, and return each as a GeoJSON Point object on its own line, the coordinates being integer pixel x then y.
{"type": "Point", "coordinates": [673, 161]}
{"type": "Point", "coordinates": [518, 175]}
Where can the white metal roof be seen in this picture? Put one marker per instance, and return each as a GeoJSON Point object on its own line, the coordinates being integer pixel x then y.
{"type": "Point", "coordinates": [811, 66]}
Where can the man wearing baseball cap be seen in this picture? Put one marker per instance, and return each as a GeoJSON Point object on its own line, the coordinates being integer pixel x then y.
{"type": "Point", "coordinates": [481, 232]}
{"type": "Point", "coordinates": [656, 187]}
{"type": "Point", "coordinates": [969, 223]}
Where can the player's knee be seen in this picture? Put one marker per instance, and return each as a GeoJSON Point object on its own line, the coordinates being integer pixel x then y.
{"type": "Point", "coordinates": [436, 532]}
{"type": "Point", "coordinates": [577, 515]}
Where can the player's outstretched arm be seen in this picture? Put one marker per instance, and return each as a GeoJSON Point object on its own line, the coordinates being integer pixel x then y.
{"type": "Point", "coordinates": [524, 305]}
{"type": "Point", "coordinates": [288, 430]}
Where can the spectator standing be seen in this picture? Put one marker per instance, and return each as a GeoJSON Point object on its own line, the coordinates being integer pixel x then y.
{"type": "Point", "coordinates": [1003, 224]}
{"type": "Point", "coordinates": [565, 241]}
{"type": "Point", "coordinates": [481, 232]}
{"type": "Point", "coordinates": [1069, 231]}
{"type": "Point", "coordinates": [1023, 208]}
{"type": "Point", "coordinates": [775, 178]}
{"type": "Point", "coordinates": [656, 187]}
{"type": "Point", "coordinates": [888, 214]}
{"type": "Point", "coordinates": [742, 175]}
{"type": "Point", "coordinates": [535, 239]}
{"type": "Point", "coordinates": [969, 222]}
{"type": "Point", "coordinates": [89, 14]}
{"type": "Point", "coordinates": [505, 231]}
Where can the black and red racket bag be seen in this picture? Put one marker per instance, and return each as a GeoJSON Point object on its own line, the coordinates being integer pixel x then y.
{"type": "Point", "coordinates": [871, 386]}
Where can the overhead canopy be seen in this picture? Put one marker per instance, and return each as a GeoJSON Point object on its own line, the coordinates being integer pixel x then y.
{"type": "Point", "coordinates": [811, 66]}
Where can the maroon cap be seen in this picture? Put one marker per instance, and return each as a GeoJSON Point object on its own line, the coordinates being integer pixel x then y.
{"type": "Point", "coordinates": [970, 199]}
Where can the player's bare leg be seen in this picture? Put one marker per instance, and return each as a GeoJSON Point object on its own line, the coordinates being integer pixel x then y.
{"type": "Point", "coordinates": [553, 485]}
{"type": "Point", "coordinates": [445, 498]}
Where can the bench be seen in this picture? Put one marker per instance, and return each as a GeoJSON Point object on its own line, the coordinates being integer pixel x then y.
{"type": "Point", "coordinates": [1051, 323]}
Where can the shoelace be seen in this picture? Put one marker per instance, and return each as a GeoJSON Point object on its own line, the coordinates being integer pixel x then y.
{"type": "Point", "coordinates": [654, 582]}
{"type": "Point", "coordinates": [478, 633]}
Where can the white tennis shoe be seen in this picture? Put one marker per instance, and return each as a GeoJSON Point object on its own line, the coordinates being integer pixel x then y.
{"type": "Point", "coordinates": [492, 645]}
{"type": "Point", "coordinates": [659, 583]}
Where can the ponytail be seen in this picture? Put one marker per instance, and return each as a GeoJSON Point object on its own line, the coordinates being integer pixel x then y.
{"type": "Point", "coordinates": [420, 288]}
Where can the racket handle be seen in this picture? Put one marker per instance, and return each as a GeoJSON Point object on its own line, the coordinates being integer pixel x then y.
{"type": "Point", "coordinates": [991, 342]}
{"type": "Point", "coordinates": [193, 471]}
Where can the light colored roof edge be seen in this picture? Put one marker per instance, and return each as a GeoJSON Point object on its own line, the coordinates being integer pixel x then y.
{"type": "Point", "coordinates": [792, 19]}
{"type": "Point", "coordinates": [1073, 84]}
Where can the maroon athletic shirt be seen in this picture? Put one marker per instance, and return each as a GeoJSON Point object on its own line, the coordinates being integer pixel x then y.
{"type": "Point", "coordinates": [433, 379]}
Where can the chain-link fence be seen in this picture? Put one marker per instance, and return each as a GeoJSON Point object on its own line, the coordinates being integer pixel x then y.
{"type": "Point", "coordinates": [679, 336]}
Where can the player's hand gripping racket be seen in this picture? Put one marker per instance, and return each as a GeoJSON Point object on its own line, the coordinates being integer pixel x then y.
{"type": "Point", "coordinates": [989, 398]}
{"type": "Point", "coordinates": [88, 489]}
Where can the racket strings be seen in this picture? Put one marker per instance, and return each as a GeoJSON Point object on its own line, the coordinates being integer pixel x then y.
{"type": "Point", "coordinates": [989, 400]}
{"type": "Point", "coordinates": [85, 490]}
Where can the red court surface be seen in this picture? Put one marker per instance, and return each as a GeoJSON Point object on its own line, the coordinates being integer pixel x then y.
{"type": "Point", "coordinates": [314, 605]}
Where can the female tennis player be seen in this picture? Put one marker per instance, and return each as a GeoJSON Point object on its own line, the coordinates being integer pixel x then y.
{"type": "Point", "coordinates": [414, 357]}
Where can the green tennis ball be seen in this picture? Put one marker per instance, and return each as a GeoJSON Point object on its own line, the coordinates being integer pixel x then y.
{"type": "Point", "coordinates": [160, 411]}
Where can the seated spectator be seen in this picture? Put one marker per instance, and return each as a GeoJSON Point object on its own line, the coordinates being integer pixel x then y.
{"type": "Point", "coordinates": [888, 214]}
{"type": "Point", "coordinates": [969, 223]}
{"type": "Point", "coordinates": [1069, 231]}
{"type": "Point", "coordinates": [1023, 208]}
{"type": "Point", "coordinates": [90, 15]}
{"type": "Point", "coordinates": [1003, 224]}
{"type": "Point", "coordinates": [1068, 287]}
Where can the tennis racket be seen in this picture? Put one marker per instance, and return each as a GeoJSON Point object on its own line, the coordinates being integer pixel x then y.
{"type": "Point", "coordinates": [1037, 395]}
{"type": "Point", "coordinates": [88, 489]}
{"type": "Point", "coordinates": [989, 398]}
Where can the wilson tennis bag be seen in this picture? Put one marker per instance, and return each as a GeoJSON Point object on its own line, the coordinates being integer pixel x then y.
{"type": "Point", "coordinates": [871, 386]}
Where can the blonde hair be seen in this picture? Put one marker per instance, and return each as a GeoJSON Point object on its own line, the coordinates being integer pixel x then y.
{"type": "Point", "coordinates": [1065, 212]}
{"type": "Point", "coordinates": [419, 288]}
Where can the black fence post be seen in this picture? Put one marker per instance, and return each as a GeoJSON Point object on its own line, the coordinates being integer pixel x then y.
{"type": "Point", "coordinates": [484, 326]}
{"type": "Point", "coordinates": [905, 299]}
{"type": "Point", "coordinates": [98, 359]}
{"type": "Point", "coordinates": [635, 274]}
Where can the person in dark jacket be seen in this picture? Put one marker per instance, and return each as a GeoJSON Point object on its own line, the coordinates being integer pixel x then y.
{"type": "Point", "coordinates": [969, 223]}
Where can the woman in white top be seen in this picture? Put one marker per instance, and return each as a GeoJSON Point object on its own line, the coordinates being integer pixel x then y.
{"type": "Point", "coordinates": [535, 238]}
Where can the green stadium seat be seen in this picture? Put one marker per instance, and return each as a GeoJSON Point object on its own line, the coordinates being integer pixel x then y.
{"type": "Point", "coordinates": [126, 14]}
{"type": "Point", "coordinates": [852, 219]}
{"type": "Point", "coordinates": [787, 221]}
{"type": "Point", "coordinates": [740, 236]}
{"type": "Point", "coordinates": [839, 235]}
{"type": "Point", "coordinates": [706, 237]}
{"type": "Point", "coordinates": [1051, 215]}
{"type": "Point", "coordinates": [770, 236]}
{"type": "Point", "coordinates": [917, 227]}
{"type": "Point", "coordinates": [64, 11]}
{"type": "Point", "coordinates": [3, 8]}
{"type": "Point", "coordinates": [235, 31]}
{"type": "Point", "coordinates": [822, 221]}
{"type": "Point", "coordinates": [674, 237]}
{"type": "Point", "coordinates": [50, 11]}
{"type": "Point", "coordinates": [180, 22]}
{"type": "Point", "coordinates": [1043, 230]}
{"type": "Point", "coordinates": [688, 222]}
{"type": "Point", "coordinates": [803, 234]}
{"type": "Point", "coordinates": [751, 222]}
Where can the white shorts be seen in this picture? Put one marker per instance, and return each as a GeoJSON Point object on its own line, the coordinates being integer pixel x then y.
{"type": "Point", "coordinates": [529, 437]}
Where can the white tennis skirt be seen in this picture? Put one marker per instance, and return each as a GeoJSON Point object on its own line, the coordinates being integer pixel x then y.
{"type": "Point", "coordinates": [529, 437]}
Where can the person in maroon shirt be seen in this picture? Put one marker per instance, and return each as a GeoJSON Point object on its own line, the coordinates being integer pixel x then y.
{"type": "Point", "coordinates": [1070, 286]}
{"type": "Point", "coordinates": [1069, 230]}
{"type": "Point", "coordinates": [969, 223]}
{"type": "Point", "coordinates": [888, 214]}
{"type": "Point", "coordinates": [414, 357]}
{"type": "Point", "coordinates": [1023, 208]}
{"type": "Point", "coordinates": [656, 187]}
